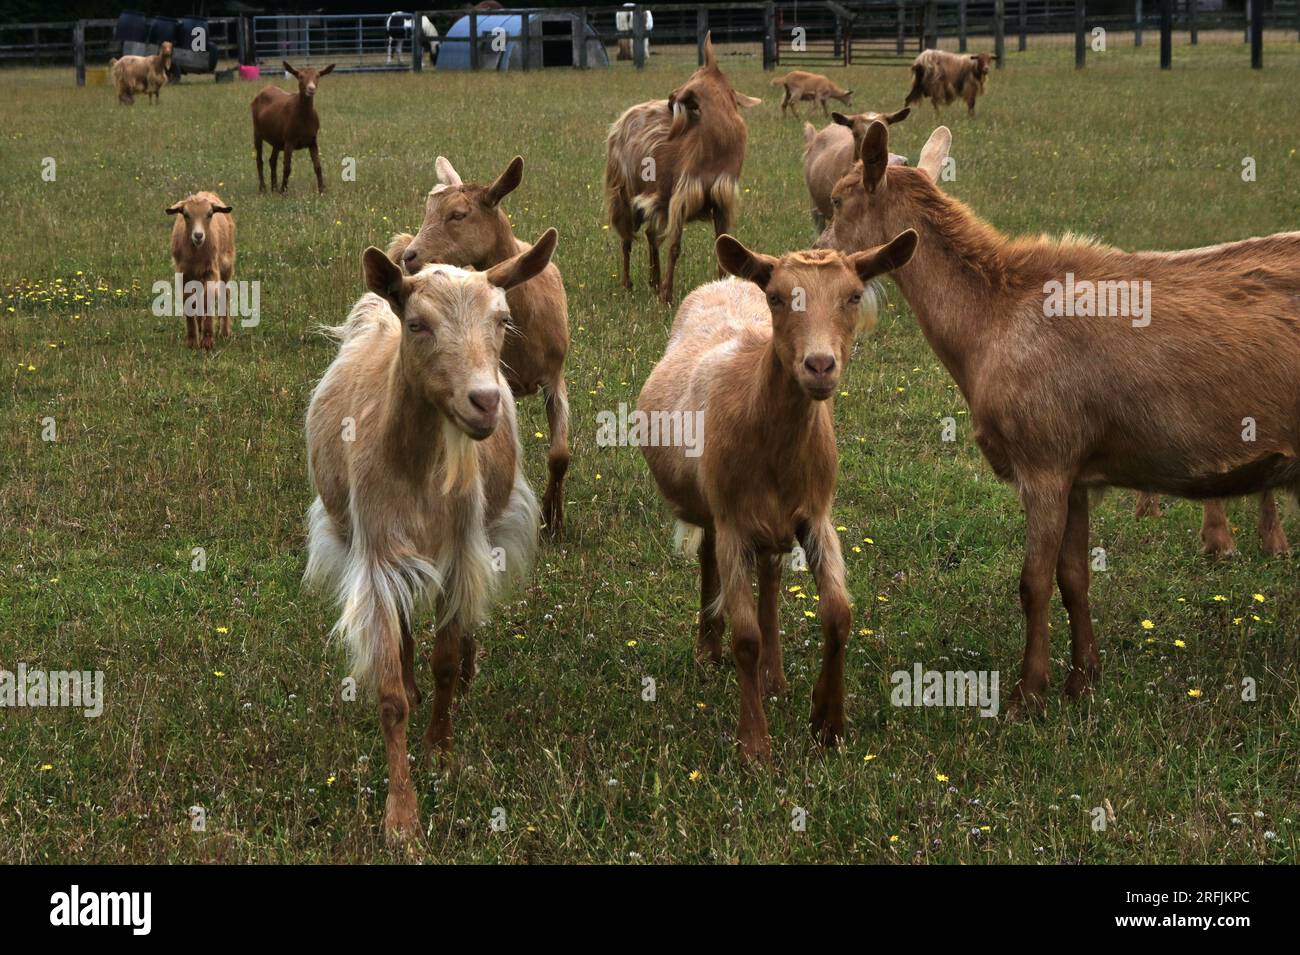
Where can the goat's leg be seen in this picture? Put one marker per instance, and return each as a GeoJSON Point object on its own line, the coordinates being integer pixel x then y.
{"type": "Point", "coordinates": [735, 571]}
{"type": "Point", "coordinates": [446, 662]}
{"type": "Point", "coordinates": [401, 813]}
{"type": "Point", "coordinates": [771, 662]}
{"type": "Point", "coordinates": [627, 263]}
{"type": "Point", "coordinates": [1045, 499]}
{"type": "Point", "coordinates": [652, 250]}
{"type": "Point", "coordinates": [468, 663]}
{"type": "Point", "coordinates": [1072, 573]}
{"type": "Point", "coordinates": [822, 546]}
{"type": "Point", "coordinates": [1216, 534]}
{"type": "Point", "coordinates": [557, 458]}
{"type": "Point", "coordinates": [674, 252]}
{"type": "Point", "coordinates": [315, 161]}
{"type": "Point", "coordinates": [191, 331]}
{"type": "Point", "coordinates": [275, 156]}
{"type": "Point", "coordinates": [785, 100]}
{"type": "Point", "coordinates": [288, 165]}
{"type": "Point", "coordinates": [261, 180]}
{"type": "Point", "coordinates": [708, 642]}
{"type": "Point", "coordinates": [1272, 536]}
{"type": "Point", "coordinates": [1148, 505]}
{"type": "Point", "coordinates": [209, 304]}
{"type": "Point", "coordinates": [413, 697]}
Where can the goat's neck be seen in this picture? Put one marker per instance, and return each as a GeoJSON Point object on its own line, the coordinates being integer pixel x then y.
{"type": "Point", "coordinates": [780, 412]}
{"type": "Point", "coordinates": [504, 245]}
{"type": "Point", "coordinates": [412, 429]}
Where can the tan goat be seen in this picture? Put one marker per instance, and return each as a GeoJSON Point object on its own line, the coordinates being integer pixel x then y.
{"type": "Point", "coordinates": [289, 122]}
{"type": "Point", "coordinates": [465, 225]}
{"type": "Point", "coordinates": [674, 161]}
{"type": "Point", "coordinates": [944, 77]}
{"type": "Point", "coordinates": [829, 154]}
{"type": "Point", "coordinates": [1216, 533]}
{"type": "Point", "coordinates": [801, 86]}
{"type": "Point", "coordinates": [413, 450]}
{"type": "Point", "coordinates": [1085, 366]}
{"type": "Point", "coordinates": [141, 74]}
{"type": "Point", "coordinates": [203, 250]}
{"type": "Point", "coordinates": [753, 363]}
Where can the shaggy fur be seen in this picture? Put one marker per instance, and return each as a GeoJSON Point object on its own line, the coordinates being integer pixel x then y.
{"type": "Point", "coordinates": [141, 74]}
{"type": "Point", "coordinates": [944, 77]}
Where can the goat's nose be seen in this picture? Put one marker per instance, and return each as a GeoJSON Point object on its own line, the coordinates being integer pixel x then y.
{"type": "Point", "coordinates": [820, 364]}
{"type": "Point", "coordinates": [198, 237]}
{"type": "Point", "coordinates": [408, 256]}
{"type": "Point", "coordinates": [486, 400]}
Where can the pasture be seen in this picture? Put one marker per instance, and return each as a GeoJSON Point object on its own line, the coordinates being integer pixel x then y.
{"type": "Point", "coordinates": [221, 691]}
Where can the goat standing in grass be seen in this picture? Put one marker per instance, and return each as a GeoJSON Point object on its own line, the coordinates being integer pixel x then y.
{"type": "Point", "coordinates": [413, 450]}
{"type": "Point", "coordinates": [674, 161]}
{"type": "Point", "coordinates": [829, 154]}
{"type": "Point", "coordinates": [1216, 533]}
{"type": "Point", "coordinates": [800, 86]}
{"type": "Point", "coordinates": [203, 250]}
{"type": "Point", "coordinates": [288, 121]}
{"type": "Point", "coordinates": [141, 74]}
{"type": "Point", "coordinates": [755, 362]}
{"type": "Point", "coordinates": [944, 77]}
{"type": "Point", "coordinates": [465, 225]}
{"type": "Point", "coordinates": [1193, 389]}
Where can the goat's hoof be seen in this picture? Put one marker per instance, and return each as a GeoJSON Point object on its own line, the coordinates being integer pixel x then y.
{"type": "Point", "coordinates": [1219, 549]}
{"type": "Point", "coordinates": [755, 751]}
{"type": "Point", "coordinates": [708, 655]}
{"type": "Point", "coordinates": [401, 820]}
{"type": "Point", "coordinates": [1024, 704]}
{"type": "Point", "coordinates": [1275, 544]}
{"type": "Point", "coordinates": [1079, 684]}
{"type": "Point", "coordinates": [775, 684]}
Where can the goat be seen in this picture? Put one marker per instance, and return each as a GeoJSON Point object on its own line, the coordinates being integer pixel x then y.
{"type": "Point", "coordinates": [800, 86]}
{"type": "Point", "coordinates": [944, 76]}
{"type": "Point", "coordinates": [142, 74]}
{"type": "Point", "coordinates": [675, 161]}
{"type": "Point", "coordinates": [465, 226]}
{"type": "Point", "coordinates": [829, 154]}
{"type": "Point", "coordinates": [1060, 405]}
{"type": "Point", "coordinates": [288, 121]}
{"type": "Point", "coordinates": [755, 362]}
{"type": "Point", "coordinates": [413, 450]}
{"type": "Point", "coordinates": [203, 250]}
{"type": "Point", "coordinates": [1216, 533]}
{"type": "Point", "coordinates": [397, 28]}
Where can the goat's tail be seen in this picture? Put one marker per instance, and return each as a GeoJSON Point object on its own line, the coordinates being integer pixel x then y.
{"type": "Point", "coordinates": [779, 81]}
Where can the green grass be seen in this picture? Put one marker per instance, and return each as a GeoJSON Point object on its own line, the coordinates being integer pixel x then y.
{"type": "Point", "coordinates": [161, 450]}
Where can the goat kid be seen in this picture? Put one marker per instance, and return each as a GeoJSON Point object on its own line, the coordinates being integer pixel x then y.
{"type": "Point", "coordinates": [203, 250]}
{"type": "Point", "coordinates": [829, 154]}
{"type": "Point", "coordinates": [288, 121]}
{"type": "Point", "coordinates": [801, 86]}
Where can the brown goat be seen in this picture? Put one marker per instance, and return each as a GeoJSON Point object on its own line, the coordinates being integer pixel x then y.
{"type": "Point", "coordinates": [1196, 395]}
{"type": "Point", "coordinates": [464, 225]}
{"type": "Point", "coordinates": [413, 450]}
{"type": "Point", "coordinates": [755, 363]}
{"type": "Point", "coordinates": [801, 86]}
{"type": "Point", "coordinates": [203, 250]}
{"type": "Point", "coordinates": [675, 161]}
{"type": "Point", "coordinates": [945, 76]}
{"type": "Point", "coordinates": [829, 154]}
{"type": "Point", "coordinates": [1216, 533]}
{"type": "Point", "coordinates": [288, 121]}
{"type": "Point", "coordinates": [141, 74]}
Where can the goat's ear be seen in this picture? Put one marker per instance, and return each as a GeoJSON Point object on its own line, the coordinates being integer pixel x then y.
{"type": "Point", "coordinates": [894, 254]}
{"type": "Point", "coordinates": [742, 263]}
{"type": "Point", "coordinates": [525, 265]}
{"type": "Point", "coordinates": [174, 211]}
{"type": "Point", "coordinates": [902, 114]}
{"type": "Point", "coordinates": [875, 155]}
{"type": "Point", "coordinates": [507, 182]}
{"type": "Point", "coordinates": [447, 174]}
{"type": "Point", "coordinates": [745, 102]}
{"type": "Point", "coordinates": [710, 58]}
{"type": "Point", "coordinates": [328, 69]}
{"type": "Point", "coordinates": [842, 120]}
{"type": "Point", "coordinates": [288, 69]}
{"type": "Point", "coordinates": [383, 277]}
{"type": "Point", "coordinates": [226, 209]}
{"type": "Point", "coordinates": [934, 152]}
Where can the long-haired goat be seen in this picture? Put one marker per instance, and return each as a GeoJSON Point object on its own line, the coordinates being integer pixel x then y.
{"type": "Point", "coordinates": [945, 76]}
{"type": "Point", "coordinates": [674, 161]}
{"type": "Point", "coordinates": [141, 74]}
{"type": "Point", "coordinates": [414, 453]}
{"type": "Point", "coordinates": [754, 363]}
{"type": "Point", "coordinates": [1216, 533]}
{"type": "Point", "coordinates": [829, 154]}
{"type": "Point", "coordinates": [288, 121]}
{"type": "Point", "coordinates": [203, 250]}
{"type": "Point", "coordinates": [465, 225]}
{"type": "Point", "coordinates": [1086, 366]}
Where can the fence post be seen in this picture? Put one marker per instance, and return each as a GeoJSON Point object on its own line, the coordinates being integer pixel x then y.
{"type": "Point", "coordinates": [1080, 47]}
{"type": "Point", "coordinates": [999, 31]}
{"type": "Point", "coordinates": [1024, 24]}
{"type": "Point", "coordinates": [1191, 20]}
{"type": "Point", "coordinates": [638, 37]}
{"type": "Point", "coordinates": [1257, 35]}
{"type": "Point", "coordinates": [417, 41]}
{"type": "Point", "coordinates": [1166, 33]}
{"type": "Point", "coordinates": [902, 24]}
{"type": "Point", "coordinates": [701, 31]}
{"type": "Point", "coordinates": [473, 40]}
{"type": "Point", "coordinates": [240, 43]}
{"type": "Point", "coordinates": [771, 49]}
{"type": "Point", "coordinates": [1245, 34]}
{"type": "Point", "coordinates": [961, 26]}
{"type": "Point", "coordinates": [929, 38]}
{"type": "Point", "coordinates": [580, 28]}
{"type": "Point", "coordinates": [1137, 22]}
{"type": "Point", "coordinates": [526, 38]}
{"type": "Point", "coordinates": [79, 51]}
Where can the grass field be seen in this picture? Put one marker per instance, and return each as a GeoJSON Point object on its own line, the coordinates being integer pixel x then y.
{"type": "Point", "coordinates": [221, 691]}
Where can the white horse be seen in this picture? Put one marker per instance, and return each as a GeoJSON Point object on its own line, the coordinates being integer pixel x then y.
{"type": "Point", "coordinates": [398, 29]}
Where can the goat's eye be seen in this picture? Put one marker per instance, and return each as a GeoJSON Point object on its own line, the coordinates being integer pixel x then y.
{"type": "Point", "coordinates": [837, 202]}
{"type": "Point", "coordinates": [855, 298]}
{"type": "Point", "coordinates": [774, 300]}
{"type": "Point", "coordinates": [416, 327]}
{"type": "Point", "coordinates": [456, 216]}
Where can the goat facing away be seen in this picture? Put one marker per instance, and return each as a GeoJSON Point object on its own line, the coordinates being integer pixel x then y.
{"type": "Point", "coordinates": [1190, 387]}
{"type": "Point", "coordinates": [141, 74]}
{"type": "Point", "coordinates": [944, 77]}
{"type": "Point", "coordinates": [754, 363]}
{"type": "Point", "coordinates": [203, 250]}
{"type": "Point", "coordinates": [800, 86]}
{"type": "Point", "coordinates": [1216, 533]}
{"type": "Point", "coordinates": [464, 225]}
{"type": "Point", "coordinates": [414, 454]}
{"type": "Point", "coordinates": [829, 154]}
{"type": "Point", "coordinates": [288, 121]}
{"type": "Point", "coordinates": [675, 161]}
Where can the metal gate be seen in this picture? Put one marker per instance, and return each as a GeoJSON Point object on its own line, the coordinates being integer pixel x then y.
{"type": "Point", "coordinates": [354, 42]}
{"type": "Point", "coordinates": [892, 31]}
{"type": "Point", "coordinates": [810, 35]}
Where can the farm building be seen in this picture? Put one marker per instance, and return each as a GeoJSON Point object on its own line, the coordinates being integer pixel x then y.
{"type": "Point", "coordinates": [546, 39]}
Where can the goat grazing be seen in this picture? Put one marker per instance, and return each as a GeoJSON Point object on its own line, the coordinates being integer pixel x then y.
{"type": "Point", "coordinates": [413, 449]}
{"type": "Point", "coordinates": [288, 121]}
{"type": "Point", "coordinates": [141, 74]}
{"type": "Point", "coordinates": [1086, 366]}
{"type": "Point", "coordinates": [755, 363]}
{"type": "Point", "coordinates": [203, 250]}
{"type": "Point", "coordinates": [675, 161]}
{"type": "Point", "coordinates": [801, 86]}
{"type": "Point", "coordinates": [944, 77]}
{"type": "Point", "coordinates": [464, 225]}
{"type": "Point", "coordinates": [1216, 533]}
{"type": "Point", "coordinates": [829, 154]}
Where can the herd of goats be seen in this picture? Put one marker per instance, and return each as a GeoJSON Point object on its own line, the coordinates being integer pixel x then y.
{"type": "Point", "coordinates": [1164, 372]}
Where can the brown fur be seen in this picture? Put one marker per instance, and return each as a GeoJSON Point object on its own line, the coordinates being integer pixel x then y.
{"type": "Point", "coordinates": [141, 74]}
{"type": "Point", "coordinates": [800, 86]}
{"type": "Point", "coordinates": [944, 77]}
{"type": "Point", "coordinates": [829, 154]}
{"type": "Point", "coordinates": [535, 348]}
{"type": "Point", "coordinates": [758, 371]}
{"type": "Point", "coordinates": [212, 261]}
{"type": "Point", "coordinates": [1062, 405]}
{"type": "Point", "coordinates": [414, 453]}
{"type": "Point", "coordinates": [288, 121]}
{"type": "Point", "coordinates": [696, 139]}
{"type": "Point", "coordinates": [1216, 533]}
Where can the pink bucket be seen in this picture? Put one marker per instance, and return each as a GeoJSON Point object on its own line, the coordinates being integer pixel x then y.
{"type": "Point", "coordinates": [250, 72]}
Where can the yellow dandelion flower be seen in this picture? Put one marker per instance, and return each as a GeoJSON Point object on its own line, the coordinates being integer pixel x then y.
{"type": "Point", "coordinates": [223, 629]}
{"type": "Point", "coordinates": [695, 776]}
{"type": "Point", "coordinates": [1195, 693]}
{"type": "Point", "coordinates": [893, 838]}
{"type": "Point", "coordinates": [631, 643]}
{"type": "Point", "coordinates": [330, 781]}
{"type": "Point", "coordinates": [941, 777]}
{"type": "Point", "coordinates": [219, 673]}
{"type": "Point", "coordinates": [869, 757]}
{"type": "Point", "coordinates": [1219, 598]}
{"type": "Point", "coordinates": [46, 767]}
{"type": "Point", "coordinates": [1258, 598]}
{"type": "Point", "coordinates": [1180, 644]}
{"type": "Point", "coordinates": [1148, 625]}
